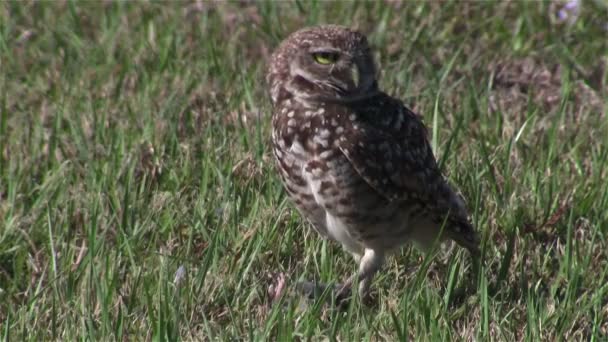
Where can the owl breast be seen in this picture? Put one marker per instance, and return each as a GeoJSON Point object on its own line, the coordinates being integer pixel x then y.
{"type": "Point", "coordinates": [326, 188]}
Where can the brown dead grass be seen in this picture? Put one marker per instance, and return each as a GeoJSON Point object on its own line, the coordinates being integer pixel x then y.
{"type": "Point", "coordinates": [519, 80]}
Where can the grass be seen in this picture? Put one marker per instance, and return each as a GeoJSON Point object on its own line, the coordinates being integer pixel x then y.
{"type": "Point", "coordinates": [134, 146]}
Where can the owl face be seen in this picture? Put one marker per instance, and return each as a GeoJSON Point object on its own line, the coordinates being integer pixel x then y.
{"type": "Point", "coordinates": [325, 63]}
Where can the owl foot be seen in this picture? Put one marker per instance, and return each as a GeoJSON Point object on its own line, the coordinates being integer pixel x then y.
{"type": "Point", "coordinates": [340, 293]}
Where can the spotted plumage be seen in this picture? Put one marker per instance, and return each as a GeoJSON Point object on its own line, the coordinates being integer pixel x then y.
{"type": "Point", "coordinates": [356, 162]}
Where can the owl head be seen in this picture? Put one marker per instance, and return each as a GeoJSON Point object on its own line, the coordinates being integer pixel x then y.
{"type": "Point", "coordinates": [326, 63]}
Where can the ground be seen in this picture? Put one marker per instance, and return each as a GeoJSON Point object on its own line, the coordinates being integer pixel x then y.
{"type": "Point", "coordinates": [139, 200]}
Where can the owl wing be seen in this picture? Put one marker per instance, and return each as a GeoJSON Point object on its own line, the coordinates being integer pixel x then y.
{"type": "Point", "coordinates": [400, 166]}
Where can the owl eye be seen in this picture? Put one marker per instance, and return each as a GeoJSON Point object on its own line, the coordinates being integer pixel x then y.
{"type": "Point", "coordinates": [325, 58]}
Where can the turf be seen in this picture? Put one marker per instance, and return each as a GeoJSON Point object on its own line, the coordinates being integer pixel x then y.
{"type": "Point", "coordinates": [139, 200]}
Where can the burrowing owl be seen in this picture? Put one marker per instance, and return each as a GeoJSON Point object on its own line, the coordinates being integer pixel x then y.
{"type": "Point", "coordinates": [355, 161]}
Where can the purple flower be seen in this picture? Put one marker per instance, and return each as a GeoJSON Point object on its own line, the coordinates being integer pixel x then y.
{"type": "Point", "coordinates": [569, 11]}
{"type": "Point", "coordinates": [573, 5]}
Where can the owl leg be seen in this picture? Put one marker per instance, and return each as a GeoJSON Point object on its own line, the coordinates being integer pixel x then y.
{"type": "Point", "coordinates": [369, 264]}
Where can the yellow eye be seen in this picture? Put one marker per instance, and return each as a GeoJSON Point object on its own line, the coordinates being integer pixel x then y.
{"type": "Point", "coordinates": [325, 57]}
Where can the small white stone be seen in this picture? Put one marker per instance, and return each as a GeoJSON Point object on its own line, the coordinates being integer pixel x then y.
{"type": "Point", "coordinates": [340, 129]}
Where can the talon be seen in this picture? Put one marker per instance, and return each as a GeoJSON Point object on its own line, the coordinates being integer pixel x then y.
{"type": "Point", "coordinates": [343, 294]}
{"type": "Point", "coordinates": [307, 288]}
{"type": "Point", "coordinates": [310, 289]}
